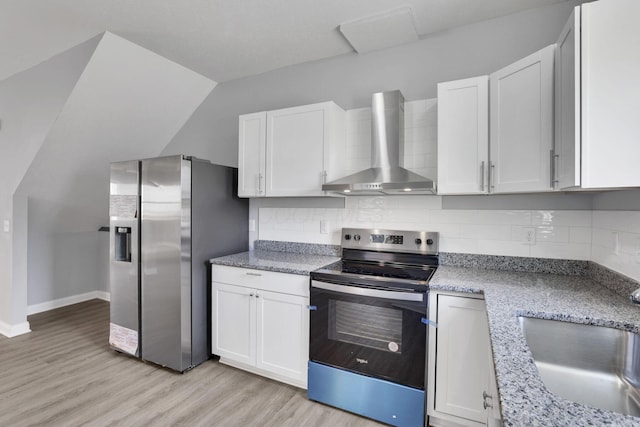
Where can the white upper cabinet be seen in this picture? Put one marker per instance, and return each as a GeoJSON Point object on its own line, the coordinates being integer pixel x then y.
{"type": "Point", "coordinates": [260, 322]}
{"type": "Point", "coordinates": [291, 152]}
{"type": "Point", "coordinates": [521, 124]}
{"type": "Point", "coordinates": [251, 154]}
{"type": "Point", "coordinates": [463, 136]}
{"type": "Point", "coordinates": [495, 135]}
{"type": "Point", "coordinates": [597, 125]}
{"type": "Point", "coordinates": [567, 106]}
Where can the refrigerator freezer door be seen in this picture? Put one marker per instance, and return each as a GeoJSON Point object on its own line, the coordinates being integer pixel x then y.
{"type": "Point", "coordinates": [124, 206]}
{"type": "Point", "coordinates": [166, 262]}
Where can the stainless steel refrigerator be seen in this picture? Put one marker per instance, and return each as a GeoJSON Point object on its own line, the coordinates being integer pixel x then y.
{"type": "Point", "coordinates": [168, 217]}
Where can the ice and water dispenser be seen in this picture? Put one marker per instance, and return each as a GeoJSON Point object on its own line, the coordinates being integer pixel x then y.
{"type": "Point", "coordinates": [122, 244]}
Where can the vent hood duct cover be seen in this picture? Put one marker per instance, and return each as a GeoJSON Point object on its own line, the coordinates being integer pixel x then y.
{"type": "Point", "coordinates": [386, 174]}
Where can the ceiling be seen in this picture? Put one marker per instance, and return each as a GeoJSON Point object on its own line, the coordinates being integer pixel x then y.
{"type": "Point", "coordinates": [221, 39]}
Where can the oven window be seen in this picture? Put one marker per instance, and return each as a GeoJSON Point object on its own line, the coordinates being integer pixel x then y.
{"type": "Point", "coordinates": [366, 325]}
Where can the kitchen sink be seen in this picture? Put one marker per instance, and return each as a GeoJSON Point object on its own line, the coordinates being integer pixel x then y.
{"type": "Point", "coordinates": [592, 365]}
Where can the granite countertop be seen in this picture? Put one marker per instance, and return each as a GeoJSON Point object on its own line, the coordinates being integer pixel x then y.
{"type": "Point", "coordinates": [282, 262]}
{"type": "Point", "coordinates": [524, 398]}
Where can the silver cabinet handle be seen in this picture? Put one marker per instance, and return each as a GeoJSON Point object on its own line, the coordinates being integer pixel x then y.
{"type": "Point", "coordinates": [486, 396]}
{"type": "Point", "coordinates": [260, 183]}
{"type": "Point", "coordinates": [324, 177]}
{"type": "Point", "coordinates": [253, 274]}
{"type": "Point", "coordinates": [553, 171]}
{"type": "Point", "coordinates": [482, 175]}
{"type": "Point", "coordinates": [492, 176]}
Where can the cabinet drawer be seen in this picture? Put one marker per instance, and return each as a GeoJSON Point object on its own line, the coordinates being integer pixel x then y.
{"type": "Point", "coordinates": [294, 284]}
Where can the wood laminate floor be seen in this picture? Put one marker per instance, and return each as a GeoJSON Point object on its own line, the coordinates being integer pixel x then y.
{"type": "Point", "coordinates": [63, 373]}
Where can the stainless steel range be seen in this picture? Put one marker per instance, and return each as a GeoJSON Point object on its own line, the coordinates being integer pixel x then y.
{"type": "Point", "coordinates": [368, 325]}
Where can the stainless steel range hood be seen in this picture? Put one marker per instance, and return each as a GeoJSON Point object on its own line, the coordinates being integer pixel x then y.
{"type": "Point", "coordinates": [386, 174]}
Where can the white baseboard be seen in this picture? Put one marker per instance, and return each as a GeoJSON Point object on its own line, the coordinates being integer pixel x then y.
{"type": "Point", "coordinates": [11, 331]}
{"type": "Point", "coordinates": [62, 302]}
{"type": "Point", "coordinates": [103, 295]}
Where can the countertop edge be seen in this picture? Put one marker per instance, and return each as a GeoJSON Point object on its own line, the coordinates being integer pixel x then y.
{"type": "Point", "coordinates": [276, 261]}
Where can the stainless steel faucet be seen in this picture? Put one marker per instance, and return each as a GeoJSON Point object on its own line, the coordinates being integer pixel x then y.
{"type": "Point", "coordinates": [635, 296]}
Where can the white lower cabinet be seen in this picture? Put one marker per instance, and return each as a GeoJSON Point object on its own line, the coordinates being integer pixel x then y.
{"type": "Point", "coordinates": [260, 322]}
{"type": "Point", "coordinates": [461, 387]}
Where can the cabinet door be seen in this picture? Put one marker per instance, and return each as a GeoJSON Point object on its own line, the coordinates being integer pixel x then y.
{"type": "Point", "coordinates": [610, 92]}
{"type": "Point", "coordinates": [462, 357]}
{"type": "Point", "coordinates": [234, 323]}
{"type": "Point", "coordinates": [283, 335]}
{"type": "Point", "coordinates": [567, 105]}
{"type": "Point", "coordinates": [251, 154]}
{"type": "Point", "coordinates": [295, 151]}
{"type": "Point", "coordinates": [463, 136]}
{"type": "Point", "coordinates": [521, 124]}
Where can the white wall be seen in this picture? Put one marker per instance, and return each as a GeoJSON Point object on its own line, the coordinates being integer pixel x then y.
{"type": "Point", "coordinates": [559, 234]}
{"type": "Point", "coordinates": [616, 241]}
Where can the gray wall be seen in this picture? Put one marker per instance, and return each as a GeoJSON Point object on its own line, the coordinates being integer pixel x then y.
{"type": "Point", "coordinates": [108, 116]}
{"type": "Point", "coordinates": [349, 80]}
{"type": "Point", "coordinates": [29, 104]}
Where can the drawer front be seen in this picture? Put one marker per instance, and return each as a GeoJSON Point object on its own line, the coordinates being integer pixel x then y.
{"type": "Point", "coordinates": [294, 284]}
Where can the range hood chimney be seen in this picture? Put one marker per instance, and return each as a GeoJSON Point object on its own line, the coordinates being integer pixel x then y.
{"type": "Point", "coordinates": [386, 174]}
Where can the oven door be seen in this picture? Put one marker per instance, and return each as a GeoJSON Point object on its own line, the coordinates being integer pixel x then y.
{"type": "Point", "coordinates": [369, 330]}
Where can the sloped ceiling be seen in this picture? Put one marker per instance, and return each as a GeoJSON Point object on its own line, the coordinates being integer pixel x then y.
{"type": "Point", "coordinates": [128, 103]}
{"type": "Point", "coordinates": [30, 101]}
{"type": "Point", "coordinates": [221, 39]}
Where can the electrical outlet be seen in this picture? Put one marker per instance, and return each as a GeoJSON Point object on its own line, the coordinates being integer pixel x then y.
{"type": "Point", "coordinates": [6, 225]}
{"type": "Point", "coordinates": [324, 226]}
{"type": "Point", "coordinates": [616, 242]}
{"type": "Point", "coordinates": [529, 235]}
{"type": "Point", "coordinates": [252, 225]}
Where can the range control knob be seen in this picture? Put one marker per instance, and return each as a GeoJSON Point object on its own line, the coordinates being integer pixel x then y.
{"type": "Point", "coordinates": [347, 237]}
{"type": "Point", "coordinates": [356, 237]}
{"type": "Point", "coordinates": [429, 241]}
{"type": "Point", "coordinates": [418, 241]}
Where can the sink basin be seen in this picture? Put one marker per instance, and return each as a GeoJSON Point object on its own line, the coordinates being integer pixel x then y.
{"type": "Point", "coordinates": [592, 365]}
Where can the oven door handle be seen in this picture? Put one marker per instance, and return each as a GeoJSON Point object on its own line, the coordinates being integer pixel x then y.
{"type": "Point", "coordinates": [368, 292]}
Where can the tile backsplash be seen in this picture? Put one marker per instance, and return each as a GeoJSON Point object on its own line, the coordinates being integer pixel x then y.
{"type": "Point", "coordinates": [616, 241]}
{"type": "Point", "coordinates": [558, 234]}
{"type": "Point", "coordinates": [610, 238]}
